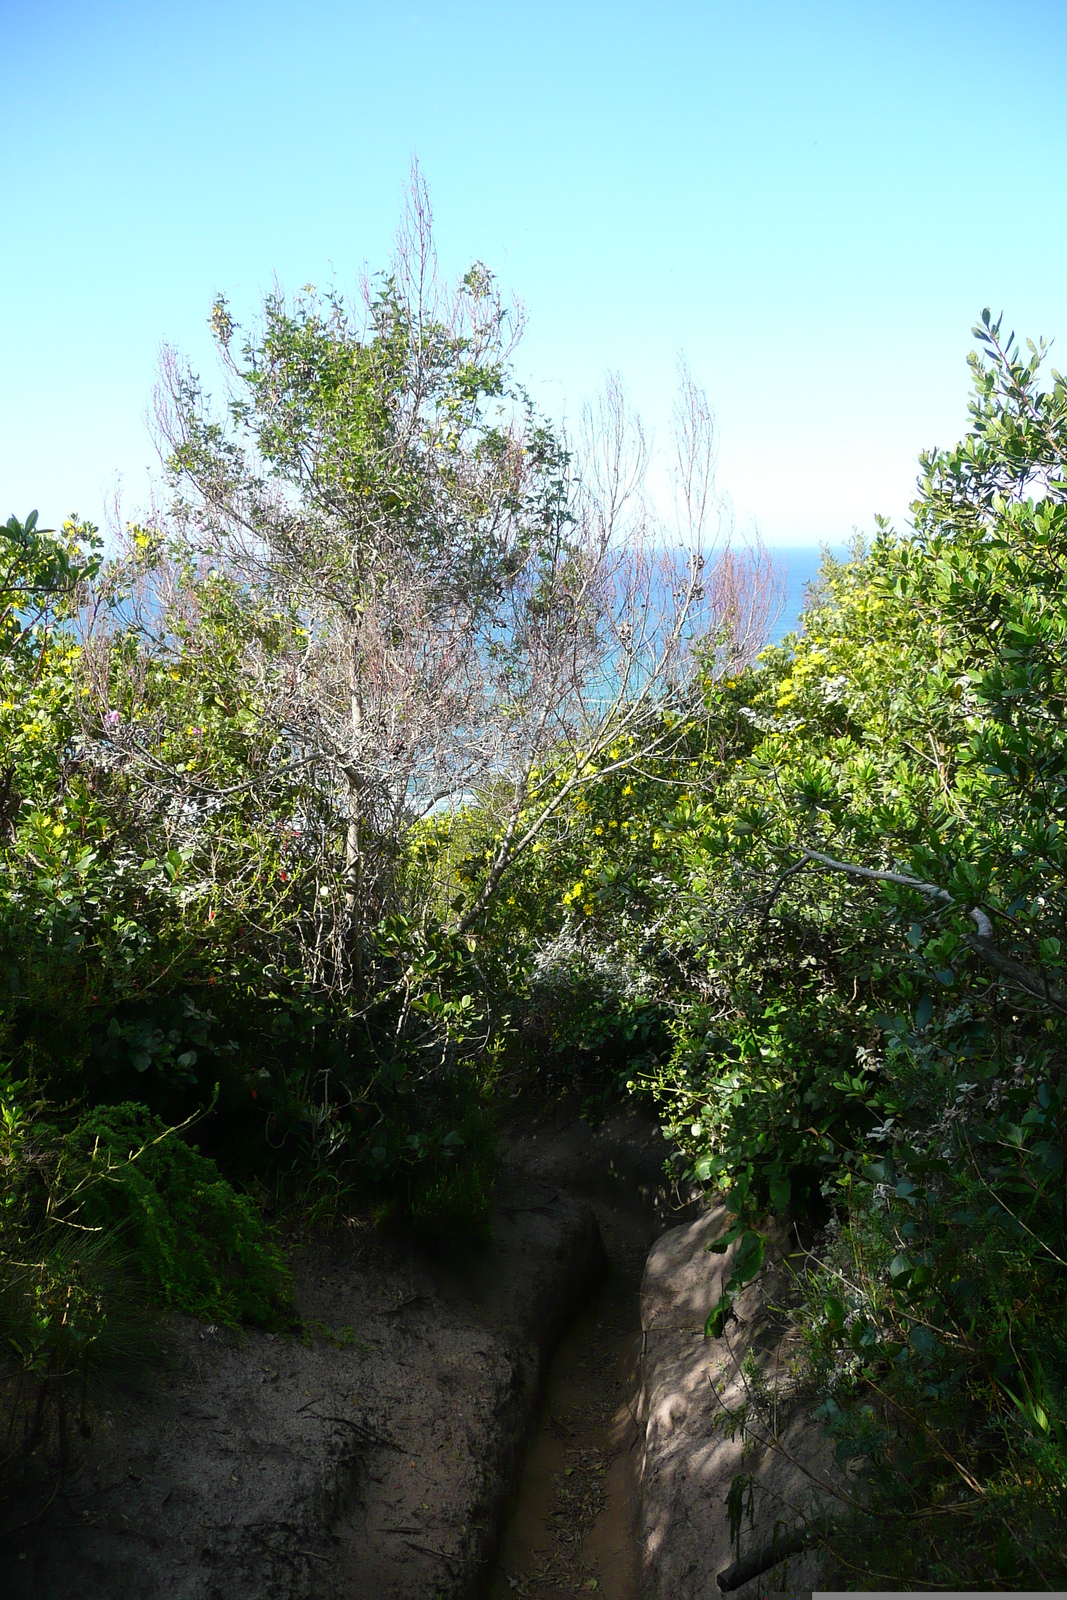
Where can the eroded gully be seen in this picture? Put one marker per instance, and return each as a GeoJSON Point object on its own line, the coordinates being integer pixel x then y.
{"type": "Point", "coordinates": [572, 1528]}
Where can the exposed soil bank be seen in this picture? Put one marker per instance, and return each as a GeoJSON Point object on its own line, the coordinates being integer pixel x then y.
{"type": "Point", "coordinates": [379, 1461]}
{"type": "Point", "coordinates": [627, 1477]}
{"type": "Point", "coordinates": [689, 1454]}
{"type": "Point", "coordinates": [373, 1465]}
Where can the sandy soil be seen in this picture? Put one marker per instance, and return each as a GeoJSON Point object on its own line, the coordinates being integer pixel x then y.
{"type": "Point", "coordinates": [690, 1453]}
{"type": "Point", "coordinates": [573, 1528]}
{"type": "Point", "coordinates": [375, 1464]}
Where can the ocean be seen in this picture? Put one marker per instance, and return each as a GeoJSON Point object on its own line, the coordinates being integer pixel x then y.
{"type": "Point", "coordinates": [801, 565]}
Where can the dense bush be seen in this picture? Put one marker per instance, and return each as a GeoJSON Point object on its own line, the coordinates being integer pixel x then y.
{"type": "Point", "coordinates": [845, 911]}
{"type": "Point", "coordinates": [131, 1176]}
{"type": "Point", "coordinates": [881, 1025]}
{"type": "Point", "coordinates": [99, 1224]}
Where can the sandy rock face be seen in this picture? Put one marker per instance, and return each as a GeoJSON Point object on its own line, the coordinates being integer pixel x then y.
{"type": "Point", "coordinates": [688, 1457]}
{"type": "Point", "coordinates": [374, 1464]}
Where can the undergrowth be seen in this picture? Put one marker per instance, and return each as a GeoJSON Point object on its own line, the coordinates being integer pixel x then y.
{"type": "Point", "coordinates": [102, 1227]}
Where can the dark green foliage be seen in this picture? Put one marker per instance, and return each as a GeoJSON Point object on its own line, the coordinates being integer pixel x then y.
{"type": "Point", "coordinates": [99, 1226]}
{"type": "Point", "coordinates": [881, 1029]}
{"type": "Point", "coordinates": [935, 1325]}
{"type": "Point", "coordinates": [158, 1194]}
{"type": "Point", "coordinates": [74, 1318]}
{"type": "Point", "coordinates": [415, 1102]}
{"type": "Point", "coordinates": [452, 1197]}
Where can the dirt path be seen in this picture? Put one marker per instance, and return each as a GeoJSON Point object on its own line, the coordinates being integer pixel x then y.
{"type": "Point", "coordinates": [572, 1530]}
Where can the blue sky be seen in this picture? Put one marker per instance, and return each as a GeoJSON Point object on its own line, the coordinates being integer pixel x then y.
{"type": "Point", "coordinates": [812, 201]}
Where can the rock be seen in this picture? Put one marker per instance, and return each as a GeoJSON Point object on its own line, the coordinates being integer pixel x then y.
{"type": "Point", "coordinates": [374, 1463]}
{"type": "Point", "coordinates": [690, 1455]}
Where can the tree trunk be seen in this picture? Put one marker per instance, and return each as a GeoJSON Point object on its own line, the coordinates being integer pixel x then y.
{"type": "Point", "coordinates": [353, 929]}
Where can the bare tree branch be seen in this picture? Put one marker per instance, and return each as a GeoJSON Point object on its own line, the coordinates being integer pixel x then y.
{"type": "Point", "coordinates": [1034, 983]}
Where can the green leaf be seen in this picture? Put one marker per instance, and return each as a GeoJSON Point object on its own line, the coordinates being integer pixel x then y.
{"type": "Point", "coordinates": [859, 1335]}
{"type": "Point", "coordinates": [923, 1342]}
{"type": "Point", "coordinates": [716, 1322]}
{"type": "Point", "coordinates": [749, 1258]}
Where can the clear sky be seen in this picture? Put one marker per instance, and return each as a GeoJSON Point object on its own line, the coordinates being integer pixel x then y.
{"type": "Point", "coordinates": [812, 201]}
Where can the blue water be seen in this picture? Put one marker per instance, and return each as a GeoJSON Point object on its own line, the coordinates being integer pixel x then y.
{"type": "Point", "coordinates": [801, 566]}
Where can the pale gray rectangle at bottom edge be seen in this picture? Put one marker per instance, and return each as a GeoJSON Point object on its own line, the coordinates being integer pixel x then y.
{"type": "Point", "coordinates": [944, 1594]}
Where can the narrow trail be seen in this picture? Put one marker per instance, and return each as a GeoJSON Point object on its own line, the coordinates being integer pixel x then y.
{"type": "Point", "coordinates": [572, 1530]}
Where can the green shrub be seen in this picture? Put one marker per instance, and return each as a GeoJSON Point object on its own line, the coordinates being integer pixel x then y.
{"type": "Point", "coordinates": [201, 1247]}
{"type": "Point", "coordinates": [74, 1318]}
{"type": "Point", "coordinates": [935, 1328]}
{"type": "Point", "coordinates": [454, 1202]}
{"type": "Point", "coordinates": [73, 1309]}
{"type": "Point", "coordinates": [880, 890]}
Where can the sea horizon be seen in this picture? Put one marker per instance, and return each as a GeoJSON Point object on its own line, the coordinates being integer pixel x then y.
{"type": "Point", "coordinates": [801, 565]}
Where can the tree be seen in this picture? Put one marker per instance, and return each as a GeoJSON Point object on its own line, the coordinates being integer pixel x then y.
{"type": "Point", "coordinates": [432, 590]}
{"type": "Point", "coordinates": [39, 575]}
